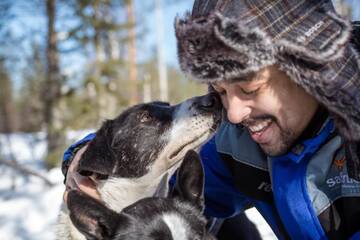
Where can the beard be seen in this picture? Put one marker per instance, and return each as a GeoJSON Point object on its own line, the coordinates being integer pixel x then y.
{"type": "Point", "coordinates": [282, 145]}
{"type": "Point", "coordinates": [284, 139]}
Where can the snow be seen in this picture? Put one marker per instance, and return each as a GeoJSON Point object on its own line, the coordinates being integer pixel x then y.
{"type": "Point", "coordinates": [29, 210]}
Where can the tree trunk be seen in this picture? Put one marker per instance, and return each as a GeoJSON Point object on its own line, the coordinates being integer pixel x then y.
{"type": "Point", "coordinates": [132, 53]}
{"type": "Point", "coordinates": [163, 82]}
{"type": "Point", "coordinates": [7, 108]}
{"type": "Point", "coordinates": [7, 113]}
{"type": "Point", "coordinates": [51, 91]}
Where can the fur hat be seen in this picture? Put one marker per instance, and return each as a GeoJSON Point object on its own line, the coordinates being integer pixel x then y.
{"type": "Point", "coordinates": [225, 40]}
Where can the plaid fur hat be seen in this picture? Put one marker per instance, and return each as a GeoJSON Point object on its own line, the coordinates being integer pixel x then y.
{"type": "Point", "coordinates": [225, 40]}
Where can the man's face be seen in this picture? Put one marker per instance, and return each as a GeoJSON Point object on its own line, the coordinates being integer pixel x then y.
{"type": "Point", "coordinates": [273, 108]}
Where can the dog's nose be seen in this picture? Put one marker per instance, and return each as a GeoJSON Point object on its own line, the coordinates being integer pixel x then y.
{"type": "Point", "coordinates": [210, 102]}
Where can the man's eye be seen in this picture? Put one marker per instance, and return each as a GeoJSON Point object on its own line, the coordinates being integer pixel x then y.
{"type": "Point", "coordinates": [247, 92]}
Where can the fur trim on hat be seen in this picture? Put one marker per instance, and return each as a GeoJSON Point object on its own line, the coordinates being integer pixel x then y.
{"type": "Point", "coordinates": [217, 48]}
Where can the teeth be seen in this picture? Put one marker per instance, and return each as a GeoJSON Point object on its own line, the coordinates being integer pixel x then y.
{"type": "Point", "coordinates": [259, 126]}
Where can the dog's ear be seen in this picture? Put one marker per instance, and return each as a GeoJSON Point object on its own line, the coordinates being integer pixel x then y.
{"type": "Point", "coordinates": [190, 180]}
{"type": "Point", "coordinates": [92, 218]}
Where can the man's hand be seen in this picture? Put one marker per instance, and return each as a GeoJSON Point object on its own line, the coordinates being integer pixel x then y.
{"type": "Point", "coordinates": [75, 181]}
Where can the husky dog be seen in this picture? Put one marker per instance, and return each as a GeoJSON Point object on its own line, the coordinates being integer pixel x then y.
{"type": "Point", "coordinates": [145, 144]}
{"type": "Point", "coordinates": [177, 217]}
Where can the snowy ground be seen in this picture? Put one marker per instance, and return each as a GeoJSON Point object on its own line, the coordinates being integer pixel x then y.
{"type": "Point", "coordinates": [30, 210]}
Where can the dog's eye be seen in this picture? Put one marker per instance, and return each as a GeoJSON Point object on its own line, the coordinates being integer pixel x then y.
{"type": "Point", "coordinates": [145, 117]}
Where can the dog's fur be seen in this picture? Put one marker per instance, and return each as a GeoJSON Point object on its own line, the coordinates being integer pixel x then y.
{"type": "Point", "coordinates": [131, 154]}
{"type": "Point", "coordinates": [177, 217]}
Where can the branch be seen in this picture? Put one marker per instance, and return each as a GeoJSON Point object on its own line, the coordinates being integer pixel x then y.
{"type": "Point", "coordinates": [25, 170]}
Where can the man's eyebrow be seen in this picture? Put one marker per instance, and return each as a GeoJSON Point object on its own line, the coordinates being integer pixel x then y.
{"type": "Point", "coordinates": [247, 78]}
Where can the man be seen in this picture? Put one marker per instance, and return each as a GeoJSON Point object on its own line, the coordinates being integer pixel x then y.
{"type": "Point", "coordinates": [289, 80]}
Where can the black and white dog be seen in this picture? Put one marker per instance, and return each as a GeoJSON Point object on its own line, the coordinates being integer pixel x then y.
{"type": "Point", "coordinates": [176, 217]}
{"type": "Point", "coordinates": [145, 144]}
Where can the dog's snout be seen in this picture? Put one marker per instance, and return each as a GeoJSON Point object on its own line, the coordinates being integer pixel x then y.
{"type": "Point", "coordinates": [210, 102]}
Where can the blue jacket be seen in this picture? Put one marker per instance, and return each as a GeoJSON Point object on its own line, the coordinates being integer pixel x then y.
{"type": "Point", "coordinates": [305, 194]}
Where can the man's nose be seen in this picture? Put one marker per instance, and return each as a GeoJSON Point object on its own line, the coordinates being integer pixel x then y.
{"type": "Point", "coordinates": [237, 110]}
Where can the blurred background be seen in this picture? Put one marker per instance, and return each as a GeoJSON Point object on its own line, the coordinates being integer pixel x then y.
{"type": "Point", "coordinates": [66, 66]}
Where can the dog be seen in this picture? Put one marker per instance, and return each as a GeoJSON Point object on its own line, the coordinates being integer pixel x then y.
{"type": "Point", "coordinates": [143, 146]}
{"type": "Point", "coordinates": [175, 217]}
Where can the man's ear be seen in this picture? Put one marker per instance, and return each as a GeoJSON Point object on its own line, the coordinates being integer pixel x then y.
{"type": "Point", "coordinates": [190, 180]}
{"type": "Point", "coordinates": [92, 218]}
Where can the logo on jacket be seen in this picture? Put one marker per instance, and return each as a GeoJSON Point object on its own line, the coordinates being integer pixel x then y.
{"type": "Point", "coordinates": [340, 176]}
{"type": "Point", "coordinates": [339, 163]}
{"type": "Point", "coordinates": [265, 186]}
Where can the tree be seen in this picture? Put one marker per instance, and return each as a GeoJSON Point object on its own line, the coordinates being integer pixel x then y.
{"type": "Point", "coordinates": [52, 90]}
{"type": "Point", "coordinates": [132, 53]}
{"type": "Point", "coordinates": [8, 121]}
{"type": "Point", "coordinates": [103, 28]}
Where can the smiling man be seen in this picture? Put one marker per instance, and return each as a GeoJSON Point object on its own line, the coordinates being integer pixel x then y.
{"type": "Point", "coordinates": [289, 81]}
{"type": "Point", "coordinates": [274, 110]}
